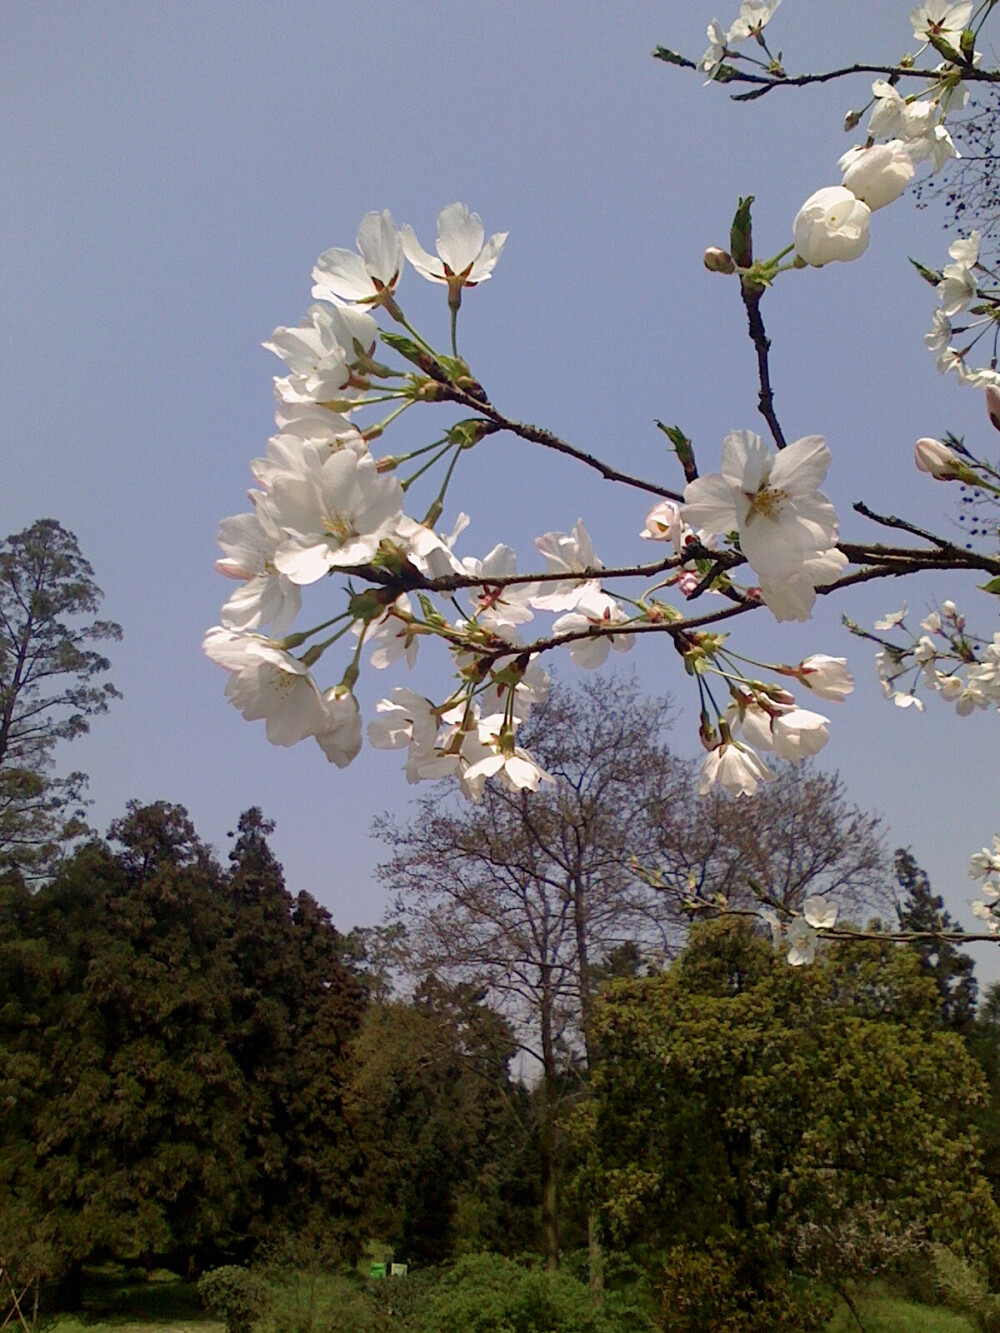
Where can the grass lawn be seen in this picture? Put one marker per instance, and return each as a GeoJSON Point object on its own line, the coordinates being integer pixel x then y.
{"type": "Point", "coordinates": [882, 1313]}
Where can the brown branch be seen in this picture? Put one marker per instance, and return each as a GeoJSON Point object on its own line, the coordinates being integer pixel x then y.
{"type": "Point", "coordinates": [765, 399]}
{"type": "Point", "coordinates": [892, 72]}
{"type": "Point", "coordinates": [496, 421]}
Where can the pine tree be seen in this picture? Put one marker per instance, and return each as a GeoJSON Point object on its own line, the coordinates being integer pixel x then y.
{"type": "Point", "coordinates": [922, 911]}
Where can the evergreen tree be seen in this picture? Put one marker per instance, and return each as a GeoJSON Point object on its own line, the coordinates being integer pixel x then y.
{"type": "Point", "coordinates": [953, 972]}
{"type": "Point", "coordinates": [50, 685]}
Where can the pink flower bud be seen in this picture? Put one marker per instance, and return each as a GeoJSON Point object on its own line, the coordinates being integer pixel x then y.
{"type": "Point", "coordinates": [936, 458]}
{"type": "Point", "coordinates": [993, 405]}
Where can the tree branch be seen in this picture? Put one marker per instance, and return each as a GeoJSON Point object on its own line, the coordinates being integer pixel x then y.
{"type": "Point", "coordinates": [765, 399]}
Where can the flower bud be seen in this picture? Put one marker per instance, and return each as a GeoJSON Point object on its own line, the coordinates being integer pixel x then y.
{"type": "Point", "coordinates": [993, 405]}
{"type": "Point", "coordinates": [851, 121]}
{"type": "Point", "coordinates": [936, 458]}
{"type": "Point", "coordinates": [719, 261]}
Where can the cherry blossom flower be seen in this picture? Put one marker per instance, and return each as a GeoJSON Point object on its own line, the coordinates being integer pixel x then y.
{"type": "Point", "coordinates": [957, 286]}
{"type": "Point", "coordinates": [896, 117]}
{"type": "Point", "coordinates": [936, 458]}
{"type": "Point", "coordinates": [832, 225]}
{"type": "Point", "coordinates": [572, 552]}
{"type": "Point", "coordinates": [987, 862]}
{"type": "Point", "coordinates": [267, 597]}
{"type": "Point", "coordinates": [663, 523]}
{"type": "Point", "coordinates": [500, 609]}
{"type": "Point", "coordinates": [801, 939]}
{"type": "Point", "coordinates": [753, 15]}
{"type": "Point", "coordinates": [792, 596]}
{"type": "Point", "coordinates": [463, 259]}
{"type": "Point", "coordinates": [320, 352]}
{"type": "Point", "coordinates": [935, 146]}
{"type": "Point", "coordinates": [335, 513]}
{"type": "Point", "coordinates": [340, 738]}
{"type": "Point", "coordinates": [939, 18]}
{"type": "Point", "coordinates": [513, 765]}
{"type": "Point", "coordinates": [878, 174]}
{"type": "Point", "coordinates": [392, 636]}
{"type": "Point", "coordinates": [784, 522]}
{"type": "Point", "coordinates": [819, 912]}
{"type": "Point", "coordinates": [940, 335]}
{"type": "Point", "coordinates": [827, 677]}
{"type": "Point", "coordinates": [716, 53]}
{"type": "Point", "coordinates": [736, 768]}
{"type": "Point", "coordinates": [792, 733]}
{"type": "Point", "coordinates": [267, 682]}
{"type": "Point", "coordinates": [595, 610]}
{"type": "Point", "coordinates": [368, 278]}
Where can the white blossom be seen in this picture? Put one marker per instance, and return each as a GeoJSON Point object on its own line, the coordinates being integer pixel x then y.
{"type": "Point", "coordinates": [827, 677]}
{"type": "Point", "coordinates": [736, 768]}
{"type": "Point", "coordinates": [801, 939]}
{"type": "Point", "coordinates": [878, 174]}
{"type": "Point", "coordinates": [335, 513]}
{"type": "Point", "coordinates": [832, 225]}
{"type": "Point", "coordinates": [267, 682]}
{"type": "Point", "coordinates": [570, 553]}
{"type": "Point", "coordinates": [958, 286]}
{"type": "Point", "coordinates": [367, 278]}
{"type": "Point", "coordinates": [787, 527]}
{"type": "Point", "coordinates": [939, 18]}
{"type": "Point", "coordinates": [340, 738]}
{"type": "Point", "coordinates": [267, 597]}
{"type": "Point", "coordinates": [753, 15]}
{"type": "Point", "coordinates": [595, 611]}
{"type": "Point", "coordinates": [463, 259]}
{"type": "Point", "coordinates": [716, 52]}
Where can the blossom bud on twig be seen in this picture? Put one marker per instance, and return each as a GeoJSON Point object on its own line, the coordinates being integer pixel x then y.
{"type": "Point", "coordinates": [936, 458]}
{"type": "Point", "coordinates": [719, 261]}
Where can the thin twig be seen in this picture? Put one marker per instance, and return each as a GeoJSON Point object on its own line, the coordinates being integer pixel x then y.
{"type": "Point", "coordinates": [767, 82]}
{"type": "Point", "coordinates": [548, 440]}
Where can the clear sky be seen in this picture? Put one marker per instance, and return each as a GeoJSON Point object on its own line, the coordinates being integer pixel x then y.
{"type": "Point", "coordinates": [172, 172]}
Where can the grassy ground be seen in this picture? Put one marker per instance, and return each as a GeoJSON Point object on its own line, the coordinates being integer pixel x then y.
{"type": "Point", "coordinates": [882, 1313]}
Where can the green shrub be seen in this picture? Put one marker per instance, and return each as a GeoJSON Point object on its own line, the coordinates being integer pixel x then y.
{"type": "Point", "coordinates": [700, 1289]}
{"type": "Point", "coordinates": [485, 1293]}
{"type": "Point", "coordinates": [235, 1295]}
{"type": "Point", "coordinates": [961, 1286]}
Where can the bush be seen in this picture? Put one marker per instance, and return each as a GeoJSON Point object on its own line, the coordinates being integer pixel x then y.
{"type": "Point", "coordinates": [235, 1295]}
{"type": "Point", "coordinates": [700, 1289]}
{"type": "Point", "coordinates": [962, 1287]}
{"type": "Point", "coordinates": [485, 1293]}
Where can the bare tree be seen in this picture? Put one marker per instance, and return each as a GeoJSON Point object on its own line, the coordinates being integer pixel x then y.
{"type": "Point", "coordinates": [801, 836]}
{"type": "Point", "coordinates": [525, 893]}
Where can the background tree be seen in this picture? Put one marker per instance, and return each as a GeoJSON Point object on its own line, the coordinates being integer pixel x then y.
{"type": "Point", "coordinates": [443, 1132]}
{"type": "Point", "coordinates": [523, 894]}
{"type": "Point", "coordinates": [49, 686]}
{"type": "Point", "coordinates": [801, 837]}
{"type": "Point", "coordinates": [171, 1092]}
{"type": "Point", "coordinates": [534, 897]}
{"type": "Point", "coordinates": [953, 972]}
{"type": "Point", "coordinates": [757, 1115]}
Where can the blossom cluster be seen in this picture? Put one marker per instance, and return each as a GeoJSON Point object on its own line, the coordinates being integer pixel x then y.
{"type": "Point", "coordinates": [833, 224]}
{"type": "Point", "coordinates": [985, 866]}
{"type": "Point", "coordinates": [964, 281]}
{"type": "Point", "coordinates": [326, 505]}
{"type": "Point", "coordinates": [945, 658]}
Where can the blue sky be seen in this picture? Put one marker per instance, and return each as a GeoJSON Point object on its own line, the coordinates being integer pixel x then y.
{"type": "Point", "coordinates": [173, 170]}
